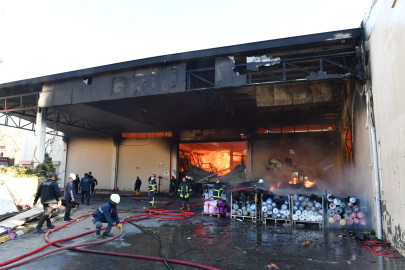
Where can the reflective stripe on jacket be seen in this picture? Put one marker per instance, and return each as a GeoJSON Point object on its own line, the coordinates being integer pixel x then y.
{"type": "Point", "coordinates": [217, 190]}
{"type": "Point", "coordinates": [184, 189]}
{"type": "Point", "coordinates": [107, 213]}
{"type": "Point", "coordinates": [152, 185]}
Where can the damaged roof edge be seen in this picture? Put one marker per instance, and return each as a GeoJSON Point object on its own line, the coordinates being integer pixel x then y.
{"type": "Point", "coordinates": [213, 52]}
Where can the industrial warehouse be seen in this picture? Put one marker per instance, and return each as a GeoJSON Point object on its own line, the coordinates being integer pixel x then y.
{"type": "Point", "coordinates": [279, 142]}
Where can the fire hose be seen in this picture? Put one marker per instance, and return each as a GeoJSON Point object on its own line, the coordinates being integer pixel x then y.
{"type": "Point", "coordinates": [376, 248]}
{"type": "Point", "coordinates": [157, 213]}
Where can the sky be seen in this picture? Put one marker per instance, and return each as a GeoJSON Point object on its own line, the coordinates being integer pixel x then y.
{"type": "Point", "coordinates": [41, 37]}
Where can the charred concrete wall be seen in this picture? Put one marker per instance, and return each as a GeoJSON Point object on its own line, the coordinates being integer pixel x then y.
{"type": "Point", "coordinates": [88, 153]}
{"type": "Point", "coordinates": [143, 157]}
{"type": "Point", "coordinates": [313, 153]}
{"type": "Point", "coordinates": [384, 32]}
{"type": "Point", "coordinates": [360, 178]}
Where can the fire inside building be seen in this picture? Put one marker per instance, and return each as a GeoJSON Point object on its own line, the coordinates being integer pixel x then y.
{"type": "Point", "coordinates": [286, 114]}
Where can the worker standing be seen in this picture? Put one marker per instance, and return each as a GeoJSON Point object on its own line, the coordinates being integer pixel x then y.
{"type": "Point", "coordinates": [173, 183]}
{"type": "Point", "coordinates": [138, 184]}
{"type": "Point", "coordinates": [94, 183]}
{"type": "Point", "coordinates": [49, 193]}
{"type": "Point", "coordinates": [217, 190]}
{"type": "Point", "coordinates": [107, 213]}
{"type": "Point", "coordinates": [184, 190]}
{"type": "Point", "coordinates": [85, 187]}
{"type": "Point", "coordinates": [152, 190]}
{"type": "Point", "coordinates": [77, 182]}
{"type": "Point", "coordinates": [69, 196]}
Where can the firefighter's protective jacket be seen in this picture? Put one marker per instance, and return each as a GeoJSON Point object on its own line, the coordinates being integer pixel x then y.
{"type": "Point", "coordinates": [152, 185]}
{"type": "Point", "coordinates": [184, 189]}
{"type": "Point", "coordinates": [217, 191]}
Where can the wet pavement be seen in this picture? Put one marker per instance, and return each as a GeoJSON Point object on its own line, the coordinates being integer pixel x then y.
{"type": "Point", "coordinates": [216, 242]}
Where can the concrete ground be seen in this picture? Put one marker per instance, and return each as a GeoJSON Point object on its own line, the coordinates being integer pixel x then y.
{"type": "Point", "coordinates": [215, 242]}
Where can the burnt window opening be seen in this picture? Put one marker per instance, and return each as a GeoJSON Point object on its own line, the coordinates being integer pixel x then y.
{"type": "Point", "coordinates": [296, 128]}
{"type": "Point", "coordinates": [88, 80]}
{"type": "Point", "coordinates": [147, 135]}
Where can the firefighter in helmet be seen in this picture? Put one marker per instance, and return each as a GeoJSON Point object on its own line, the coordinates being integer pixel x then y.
{"type": "Point", "coordinates": [152, 190]}
{"type": "Point", "coordinates": [184, 190]}
{"type": "Point", "coordinates": [217, 190]}
{"type": "Point", "coordinates": [173, 182]}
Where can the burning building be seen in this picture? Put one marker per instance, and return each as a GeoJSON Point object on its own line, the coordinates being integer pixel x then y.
{"type": "Point", "coordinates": [293, 110]}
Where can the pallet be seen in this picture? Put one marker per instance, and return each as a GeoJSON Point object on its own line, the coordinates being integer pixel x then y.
{"type": "Point", "coordinates": [285, 220]}
{"type": "Point", "coordinates": [210, 214]}
{"type": "Point", "coordinates": [253, 219]}
{"type": "Point", "coordinates": [320, 223]}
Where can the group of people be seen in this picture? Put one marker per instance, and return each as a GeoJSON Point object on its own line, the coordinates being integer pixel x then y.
{"type": "Point", "coordinates": [138, 183]}
{"type": "Point", "coordinates": [184, 190]}
{"type": "Point", "coordinates": [50, 196]}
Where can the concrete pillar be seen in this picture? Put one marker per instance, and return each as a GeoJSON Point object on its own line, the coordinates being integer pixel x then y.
{"type": "Point", "coordinates": [114, 170]}
{"type": "Point", "coordinates": [62, 166]}
{"type": "Point", "coordinates": [174, 160]}
{"type": "Point", "coordinates": [40, 135]}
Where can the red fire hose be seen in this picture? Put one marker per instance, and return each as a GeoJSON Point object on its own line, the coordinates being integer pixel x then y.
{"type": "Point", "coordinates": [376, 248]}
{"type": "Point", "coordinates": [157, 213]}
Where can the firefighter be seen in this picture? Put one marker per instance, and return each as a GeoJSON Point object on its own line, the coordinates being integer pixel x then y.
{"type": "Point", "coordinates": [260, 186]}
{"type": "Point", "coordinates": [217, 190]}
{"type": "Point", "coordinates": [173, 183]}
{"type": "Point", "coordinates": [152, 190]}
{"type": "Point", "coordinates": [138, 184]}
{"type": "Point", "coordinates": [184, 190]}
{"type": "Point", "coordinates": [107, 213]}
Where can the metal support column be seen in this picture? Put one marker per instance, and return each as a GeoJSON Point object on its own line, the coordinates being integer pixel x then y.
{"type": "Point", "coordinates": [114, 167]}
{"type": "Point", "coordinates": [40, 135]}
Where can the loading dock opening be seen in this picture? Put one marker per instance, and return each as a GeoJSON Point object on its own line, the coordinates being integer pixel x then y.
{"type": "Point", "coordinates": [213, 157]}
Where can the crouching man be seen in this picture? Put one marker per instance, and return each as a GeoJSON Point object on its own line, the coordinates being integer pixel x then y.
{"type": "Point", "coordinates": [107, 213]}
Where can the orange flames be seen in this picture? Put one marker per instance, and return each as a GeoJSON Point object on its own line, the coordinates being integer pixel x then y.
{"type": "Point", "coordinates": [274, 186]}
{"type": "Point", "coordinates": [294, 181]}
{"type": "Point", "coordinates": [309, 184]}
{"type": "Point", "coordinates": [218, 159]}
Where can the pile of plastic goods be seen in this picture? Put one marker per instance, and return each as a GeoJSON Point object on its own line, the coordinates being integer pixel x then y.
{"type": "Point", "coordinates": [275, 207]}
{"type": "Point", "coordinates": [307, 208]}
{"type": "Point", "coordinates": [244, 208]}
{"type": "Point", "coordinates": [346, 211]}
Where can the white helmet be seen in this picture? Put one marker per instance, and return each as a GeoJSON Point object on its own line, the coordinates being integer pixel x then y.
{"type": "Point", "coordinates": [115, 198]}
{"type": "Point", "coordinates": [261, 181]}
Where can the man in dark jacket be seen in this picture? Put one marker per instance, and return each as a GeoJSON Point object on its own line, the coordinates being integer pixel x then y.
{"type": "Point", "coordinates": [69, 196]}
{"type": "Point", "coordinates": [94, 183]}
{"type": "Point", "coordinates": [84, 185]}
{"type": "Point", "coordinates": [217, 190]}
{"type": "Point", "coordinates": [137, 186]}
{"type": "Point", "coordinates": [77, 182]}
{"type": "Point", "coordinates": [49, 193]}
{"type": "Point", "coordinates": [107, 213]}
{"type": "Point", "coordinates": [152, 190]}
{"type": "Point", "coordinates": [173, 183]}
{"type": "Point", "coordinates": [184, 190]}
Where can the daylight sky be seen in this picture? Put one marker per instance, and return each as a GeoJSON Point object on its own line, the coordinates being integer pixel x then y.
{"type": "Point", "coordinates": [39, 37]}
